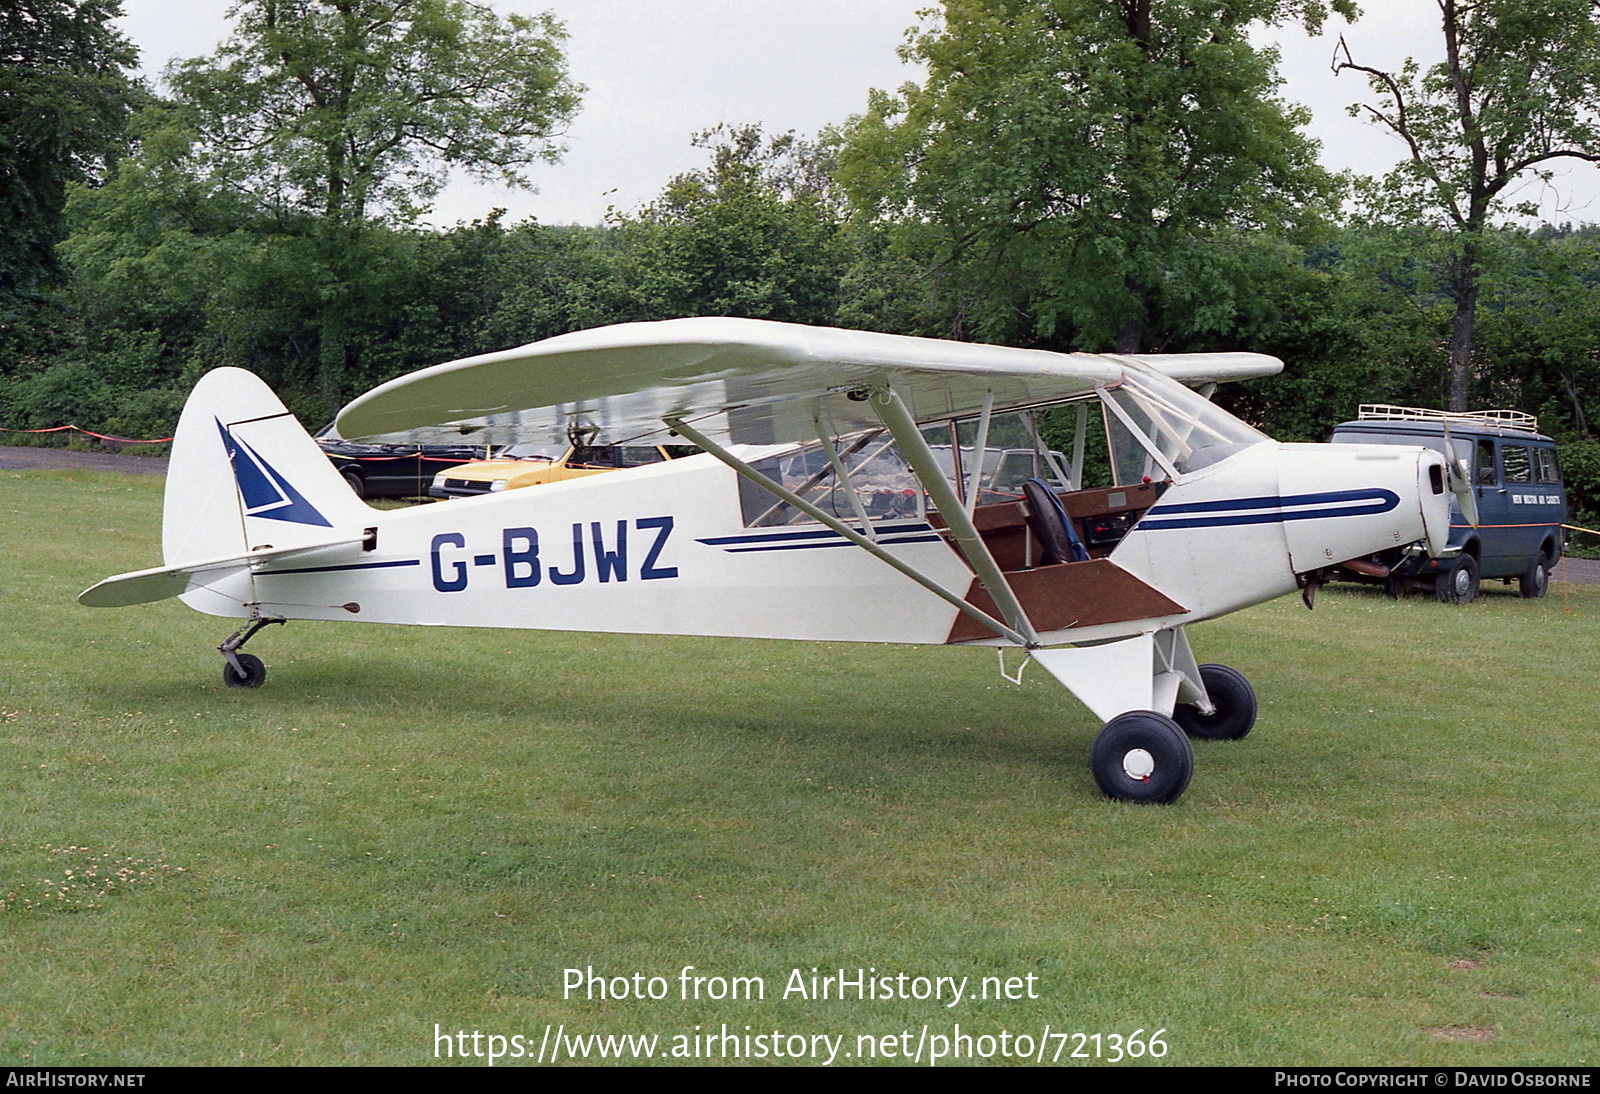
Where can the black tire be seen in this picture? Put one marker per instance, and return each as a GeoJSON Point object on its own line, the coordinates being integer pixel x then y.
{"type": "Point", "coordinates": [1142, 757]}
{"type": "Point", "coordinates": [1536, 582]}
{"type": "Point", "coordinates": [255, 673]}
{"type": "Point", "coordinates": [1458, 584]}
{"type": "Point", "coordinates": [1234, 699]}
{"type": "Point", "coordinates": [356, 483]}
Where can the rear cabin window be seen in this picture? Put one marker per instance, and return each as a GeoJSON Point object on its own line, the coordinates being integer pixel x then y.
{"type": "Point", "coordinates": [1545, 467]}
{"type": "Point", "coordinates": [1514, 463]}
{"type": "Point", "coordinates": [884, 486]}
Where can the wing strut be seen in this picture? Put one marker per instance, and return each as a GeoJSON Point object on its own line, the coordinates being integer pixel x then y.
{"type": "Point", "coordinates": [914, 447]}
{"type": "Point", "coordinates": [1079, 436]}
{"type": "Point", "coordinates": [833, 522]}
{"type": "Point", "coordinates": [979, 447]}
{"type": "Point", "coordinates": [842, 473]}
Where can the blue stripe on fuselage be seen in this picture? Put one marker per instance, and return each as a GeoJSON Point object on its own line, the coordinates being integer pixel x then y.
{"type": "Point", "coordinates": [1269, 510]}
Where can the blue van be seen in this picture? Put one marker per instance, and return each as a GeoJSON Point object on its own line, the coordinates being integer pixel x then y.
{"type": "Point", "coordinates": [1516, 480]}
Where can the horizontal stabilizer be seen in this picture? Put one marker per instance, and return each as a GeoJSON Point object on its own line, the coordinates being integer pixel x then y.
{"type": "Point", "coordinates": [146, 586]}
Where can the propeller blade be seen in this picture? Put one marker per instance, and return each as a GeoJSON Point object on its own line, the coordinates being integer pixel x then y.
{"type": "Point", "coordinates": [1461, 486]}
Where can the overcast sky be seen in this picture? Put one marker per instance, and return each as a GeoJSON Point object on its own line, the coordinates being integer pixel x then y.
{"type": "Point", "coordinates": [658, 71]}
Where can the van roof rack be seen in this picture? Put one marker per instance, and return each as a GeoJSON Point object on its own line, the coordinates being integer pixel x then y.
{"type": "Point", "coordinates": [1480, 419]}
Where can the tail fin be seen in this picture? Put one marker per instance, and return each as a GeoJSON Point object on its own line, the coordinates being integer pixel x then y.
{"type": "Point", "coordinates": [244, 476]}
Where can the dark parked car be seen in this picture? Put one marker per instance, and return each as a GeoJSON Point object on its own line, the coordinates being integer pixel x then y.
{"type": "Point", "coordinates": [394, 470]}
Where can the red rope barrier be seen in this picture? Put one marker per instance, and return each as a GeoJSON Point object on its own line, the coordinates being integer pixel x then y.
{"type": "Point", "coordinates": [88, 432]}
{"type": "Point", "coordinates": [410, 456]}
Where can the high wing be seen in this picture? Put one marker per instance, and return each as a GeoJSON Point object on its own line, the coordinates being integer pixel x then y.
{"type": "Point", "coordinates": [744, 381]}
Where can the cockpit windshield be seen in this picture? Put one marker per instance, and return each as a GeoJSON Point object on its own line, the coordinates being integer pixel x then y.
{"type": "Point", "coordinates": [1158, 428]}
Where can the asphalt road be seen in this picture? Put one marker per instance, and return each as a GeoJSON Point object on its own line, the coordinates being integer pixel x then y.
{"type": "Point", "coordinates": [17, 459]}
{"type": "Point", "coordinates": [1581, 571]}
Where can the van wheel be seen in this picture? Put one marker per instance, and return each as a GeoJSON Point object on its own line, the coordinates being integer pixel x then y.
{"type": "Point", "coordinates": [1458, 584]}
{"type": "Point", "coordinates": [1536, 582]}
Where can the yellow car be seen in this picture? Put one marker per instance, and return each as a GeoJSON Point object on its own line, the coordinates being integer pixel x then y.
{"type": "Point", "coordinates": [536, 464]}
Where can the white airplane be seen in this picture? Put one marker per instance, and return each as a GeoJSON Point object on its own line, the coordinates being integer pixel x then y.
{"type": "Point", "coordinates": [850, 489]}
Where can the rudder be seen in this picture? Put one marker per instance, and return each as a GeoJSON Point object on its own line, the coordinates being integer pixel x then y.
{"type": "Point", "coordinates": [244, 475]}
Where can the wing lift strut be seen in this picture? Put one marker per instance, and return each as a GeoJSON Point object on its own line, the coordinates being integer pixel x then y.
{"type": "Point", "coordinates": [1140, 754]}
{"type": "Point", "coordinates": [903, 427]}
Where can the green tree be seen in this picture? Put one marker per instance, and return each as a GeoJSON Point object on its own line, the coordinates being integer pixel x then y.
{"type": "Point", "coordinates": [1077, 172]}
{"type": "Point", "coordinates": [336, 116]}
{"type": "Point", "coordinates": [545, 280]}
{"type": "Point", "coordinates": [1516, 92]}
{"type": "Point", "coordinates": [64, 99]}
{"type": "Point", "coordinates": [754, 234]}
{"type": "Point", "coordinates": [1356, 320]}
{"type": "Point", "coordinates": [353, 108]}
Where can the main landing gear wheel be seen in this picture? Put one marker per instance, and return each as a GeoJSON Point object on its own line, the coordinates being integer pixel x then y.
{"type": "Point", "coordinates": [1234, 699]}
{"type": "Point", "coordinates": [251, 673]}
{"type": "Point", "coordinates": [1142, 756]}
{"type": "Point", "coordinates": [1536, 582]}
{"type": "Point", "coordinates": [1458, 584]}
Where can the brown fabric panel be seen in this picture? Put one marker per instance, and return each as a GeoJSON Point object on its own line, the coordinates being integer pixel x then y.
{"type": "Point", "coordinates": [1004, 525]}
{"type": "Point", "coordinates": [1074, 594]}
{"type": "Point", "coordinates": [1004, 530]}
{"type": "Point", "coordinates": [989, 518]}
{"type": "Point", "coordinates": [1081, 504]}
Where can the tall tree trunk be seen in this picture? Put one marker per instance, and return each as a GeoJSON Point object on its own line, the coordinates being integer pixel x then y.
{"type": "Point", "coordinates": [1467, 272]}
{"type": "Point", "coordinates": [1578, 418]}
{"type": "Point", "coordinates": [1130, 336]}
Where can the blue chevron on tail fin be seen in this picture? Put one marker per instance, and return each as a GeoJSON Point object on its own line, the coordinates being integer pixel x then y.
{"type": "Point", "coordinates": [266, 493]}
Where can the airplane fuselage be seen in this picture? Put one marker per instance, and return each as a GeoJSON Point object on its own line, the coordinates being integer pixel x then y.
{"type": "Point", "coordinates": [664, 549]}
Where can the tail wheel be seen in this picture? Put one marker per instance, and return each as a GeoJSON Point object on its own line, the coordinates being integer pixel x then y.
{"type": "Point", "coordinates": [251, 673]}
{"type": "Point", "coordinates": [1143, 757]}
{"type": "Point", "coordinates": [1234, 700]}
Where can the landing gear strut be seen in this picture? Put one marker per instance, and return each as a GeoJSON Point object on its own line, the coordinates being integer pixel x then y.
{"type": "Point", "coordinates": [244, 670]}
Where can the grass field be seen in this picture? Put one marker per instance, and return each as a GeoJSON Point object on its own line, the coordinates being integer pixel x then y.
{"type": "Point", "coordinates": [411, 829]}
